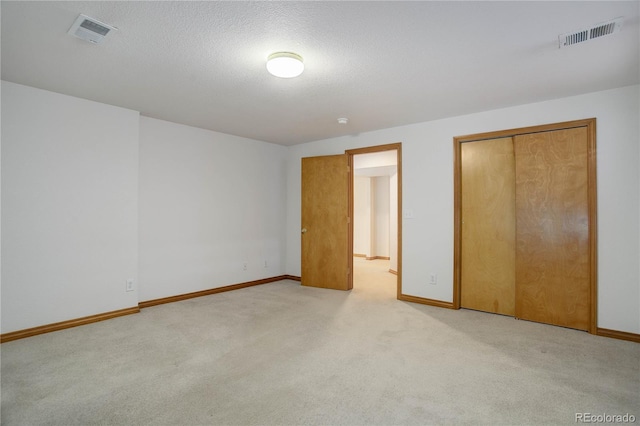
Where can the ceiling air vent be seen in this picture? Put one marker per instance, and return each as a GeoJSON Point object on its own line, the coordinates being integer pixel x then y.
{"type": "Point", "coordinates": [603, 29]}
{"type": "Point", "coordinates": [90, 29]}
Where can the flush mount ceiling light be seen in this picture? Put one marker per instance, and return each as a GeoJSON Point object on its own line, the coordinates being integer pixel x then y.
{"type": "Point", "coordinates": [285, 64]}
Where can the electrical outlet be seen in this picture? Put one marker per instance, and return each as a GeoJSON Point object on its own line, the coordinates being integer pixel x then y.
{"type": "Point", "coordinates": [129, 285]}
{"type": "Point", "coordinates": [433, 279]}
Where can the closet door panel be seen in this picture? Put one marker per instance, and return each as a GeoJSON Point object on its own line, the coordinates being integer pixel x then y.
{"type": "Point", "coordinates": [552, 232]}
{"type": "Point", "coordinates": [488, 226]}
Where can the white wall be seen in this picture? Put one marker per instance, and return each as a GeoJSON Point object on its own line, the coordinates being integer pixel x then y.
{"type": "Point", "coordinates": [382, 168]}
{"type": "Point", "coordinates": [371, 215]}
{"type": "Point", "coordinates": [381, 212]}
{"type": "Point", "coordinates": [393, 222]}
{"type": "Point", "coordinates": [375, 163]}
{"type": "Point", "coordinates": [362, 215]}
{"type": "Point", "coordinates": [93, 195]}
{"type": "Point", "coordinates": [208, 203]}
{"type": "Point", "coordinates": [69, 207]}
{"type": "Point", "coordinates": [428, 190]}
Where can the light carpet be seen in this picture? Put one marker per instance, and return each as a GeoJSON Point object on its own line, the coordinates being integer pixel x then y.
{"type": "Point", "coordinates": [284, 354]}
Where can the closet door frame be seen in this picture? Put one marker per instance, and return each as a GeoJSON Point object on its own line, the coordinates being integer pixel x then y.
{"type": "Point", "coordinates": [590, 125]}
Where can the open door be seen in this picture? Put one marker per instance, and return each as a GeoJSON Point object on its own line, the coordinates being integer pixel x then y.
{"type": "Point", "coordinates": [325, 222]}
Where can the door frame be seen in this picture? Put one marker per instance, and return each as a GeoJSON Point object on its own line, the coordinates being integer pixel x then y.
{"type": "Point", "coordinates": [379, 148]}
{"type": "Point", "coordinates": [590, 124]}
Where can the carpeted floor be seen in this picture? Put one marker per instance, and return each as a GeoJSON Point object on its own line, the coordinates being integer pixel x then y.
{"type": "Point", "coordinates": [283, 354]}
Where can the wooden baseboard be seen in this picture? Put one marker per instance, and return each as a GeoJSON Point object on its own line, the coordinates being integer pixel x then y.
{"type": "Point", "coordinates": [48, 328]}
{"type": "Point", "coordinates": [21, 334]}
{"type": "Point", "coordinates": [623, 335]}
{"type": "Point", "coordinates": [292, 277]}
{"type": "Point", "coordinates": [393, 272]}
{"type": "Point", "coordinates": [425, 301]}
{"type": "Point", "coordinates": [371, 257]}
{"type": "Point", "coordinates": [615, 334]}
{"type": "Point", "coordinates": [170, 299]}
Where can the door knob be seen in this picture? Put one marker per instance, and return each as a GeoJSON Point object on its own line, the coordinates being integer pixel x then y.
{"type": "Point", "coordinates": [304, 230]}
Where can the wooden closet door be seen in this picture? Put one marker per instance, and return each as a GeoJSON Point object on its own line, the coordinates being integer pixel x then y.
{"type": "Point", "coordinates": [488, 226]}
{"type": "Point", "coordinates": [552, 233]}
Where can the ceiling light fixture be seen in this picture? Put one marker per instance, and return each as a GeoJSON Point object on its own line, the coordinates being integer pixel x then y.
{"type": "Point", "coordinates": [285, 64]}
{"type": "Point", "coordinates": [343, 120]}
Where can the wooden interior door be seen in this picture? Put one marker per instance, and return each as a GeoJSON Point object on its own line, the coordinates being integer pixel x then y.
{"type": "Point", "coordinates": [325, 233]}
{"type": "Point", "coordinates": [552, 211]}
{"type": "Point", "coordinates": [488, 226]}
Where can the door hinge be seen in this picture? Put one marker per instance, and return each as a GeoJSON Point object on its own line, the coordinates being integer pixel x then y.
{"type": "Point", "coordinates": [348, 220]}
{"type": "Point", "coordinates": [348, 271]}
{"type": "Point", "coordinates": [348, 169]}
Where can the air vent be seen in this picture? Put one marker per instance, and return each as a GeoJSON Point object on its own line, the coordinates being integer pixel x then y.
{"type": "Point", "coordinates": [90, 29]}
{"type": "Point", "coordinates": [606, 28]}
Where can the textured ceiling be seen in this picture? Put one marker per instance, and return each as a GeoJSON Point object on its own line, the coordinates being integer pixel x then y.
{"type": "Point", "coordinates": [381, 64]}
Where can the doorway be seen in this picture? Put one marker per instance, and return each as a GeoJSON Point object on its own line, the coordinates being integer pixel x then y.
{"type": "Point", "coordinates": [327, 232]}
{"type": "Point", "coordinates": [375, 226]}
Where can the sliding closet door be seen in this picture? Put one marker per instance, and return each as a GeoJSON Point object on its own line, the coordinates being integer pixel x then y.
{"type": "Point", "coordinates": [552, 234]}
{"type": "Point", "coordinates": [488, 226]}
